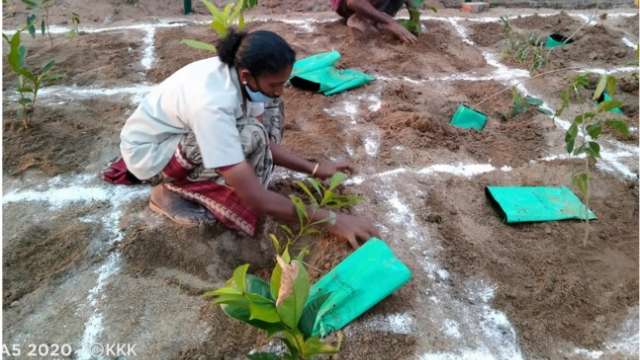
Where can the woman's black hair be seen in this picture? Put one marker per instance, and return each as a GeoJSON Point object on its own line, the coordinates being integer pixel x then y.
{"type": "Point", "coordinates": [260, 52]}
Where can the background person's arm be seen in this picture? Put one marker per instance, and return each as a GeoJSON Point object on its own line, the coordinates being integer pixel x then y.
{"type": "Point", "coordinates": [243, 180]}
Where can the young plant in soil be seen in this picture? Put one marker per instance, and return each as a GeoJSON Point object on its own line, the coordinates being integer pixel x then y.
{"type": "Point", "coordinates": [413, 24]}
{"type": "Point", "coordinates": [232, 15]}
{"type": "Point", "coordinates": [39, 10]}
{"type": "Point", "coordinates": [279, 308]}
{"type": "Point", "coordinates": [29, 81]}
{"type": "Point", "coordinates": [581, 137]}
{"type": "Point", "coordinates": [525, 50]}
{"type": "Point", "coordinates": [521, 104]}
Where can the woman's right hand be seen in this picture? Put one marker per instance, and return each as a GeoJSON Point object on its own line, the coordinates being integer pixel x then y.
{"type": "Point", "coordinates": [400, 32]}
{"type": "Point", "coordinates": [353, 228]}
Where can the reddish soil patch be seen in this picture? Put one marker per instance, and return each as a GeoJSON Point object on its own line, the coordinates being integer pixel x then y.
{"type": "Point", "coordinates": [61, 138]}
{"type": "Point", "coordinates": [551, 286]}
{"type": "Point", "coordinates": [101, 59]}
{"type": "Point", "coordinates": [419, 119]}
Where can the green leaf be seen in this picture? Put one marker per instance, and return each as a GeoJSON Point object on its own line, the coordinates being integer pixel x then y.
{"type": "Point", "coordinates": [276, 243]}
{"type": "Point", "coordinates": [220, 28]}
{"type": "Point", "coordinates": [306, 190]}
{"type": "Point", "coordinates": [611, 85]}
{"type": "Point", "coordinates": [317, 186]}
{"type": "Point", "coordinates": [48, 66]}
{"type": "Point", "coordinates": [25, 101]}
{"type": "Point", "coordinates": [581, 181]}
{"type": "Point", "coordinates": [25, 89]}
{"type": "Point", "coordinates": [264, 312]}
{"type": "Point", "coordinates": [230, 299]}
{"type": "Point", "coordinates": [545, 111]}
{"type": "Point", "coordinates": [619, 126]}
{"type": "Point", "coordinates": [241, 312]}
{"type": "Point", "coordinates": [310, 312]}
{"type": "Point", "coordinates": [301, 210]}
{"type": "Point", "coordinates": [240, 277]}
{"type": "Point", "coordinates": [336, 180]}
{"type": "Point", "coordinates": [212, 8]}
{"type": "Point", "coordinates": [533, 101]}
{"type": "Point", "coordinates": [602, 84]}
{"type": "Point", "coordinates": [594, 130]}
{"type": "Point", "coordinates": [570, 137]}
{"type": "Point", "coordinates": [291, 339]}
{"type": "Point", "coordinates": [593, 149]}
{"type": "Point", "coordinates": [315, 346]}
{"type": "Point", "coordinates": [582, 117]}
{"type": "Point", "coordinates": [222, 291]}
{"type": "Point", "coordinates": [609, 105]}
{"type": "Point", "coordinates": [200, 45]}
{"type": "Point", "coordinates": [290, 310]}
{"type": "Point", "coordinates": [276, 277]}
{"type": "Point", "coordinates": [287, 230]}
{"type": "Point", "coordinates": [258, 286]}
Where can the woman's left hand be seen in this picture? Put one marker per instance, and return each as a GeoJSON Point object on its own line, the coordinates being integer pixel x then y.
{"type": "Point", "coordinates": [326, 169]}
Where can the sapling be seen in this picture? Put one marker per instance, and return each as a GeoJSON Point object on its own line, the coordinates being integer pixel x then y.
{"type": "Point", "coordinates": [521, 104]}
{"type": "Point", "coordinates": [581, 137]}
{"type": "Point", "coordinates": [39, 9]}
{"type": "Point", "coordinates": [413, 24]}
{"type": "Point", "coordinates": [222, 20]}
{"type": "Point", "coordinates": [29, 81]}
{"type": "Point", "coordinates": [280, 308]}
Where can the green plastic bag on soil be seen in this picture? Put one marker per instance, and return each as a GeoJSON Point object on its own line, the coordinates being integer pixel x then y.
{"type": "Point", "coordinates": [318, 73]}
{"type": "Point", "coordinates": [360, 281]}
{"type": "Point", "coordinates": [537, 203]}
{"type": "Point", "coordinates": [468, 118]}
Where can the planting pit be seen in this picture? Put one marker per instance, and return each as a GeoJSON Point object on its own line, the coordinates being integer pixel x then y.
{"type": "Point", "coordinates": [480, 288]}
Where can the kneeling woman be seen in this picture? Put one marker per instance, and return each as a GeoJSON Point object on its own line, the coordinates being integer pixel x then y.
{"type": "Point", "coordinates": [209, 136]}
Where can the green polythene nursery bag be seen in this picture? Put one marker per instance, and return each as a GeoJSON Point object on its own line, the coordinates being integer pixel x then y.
{"type": "Point", "coordinates": [359, 282]}
{"type": "Point", "coordinates": [537, 203]}
{"type": "Point", "coordinates": [318, 73]}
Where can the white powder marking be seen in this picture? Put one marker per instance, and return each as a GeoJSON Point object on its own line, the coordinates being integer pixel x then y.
{"type": "Point", "coordinates": [397, 323]}
{"type": "Point", "coordinates": [451, 329]}
{"type": "Point", "coordinates": [148, 56]}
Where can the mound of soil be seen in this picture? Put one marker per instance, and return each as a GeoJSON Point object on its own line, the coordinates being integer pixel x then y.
{"type": "Point", "coordinates": [595, 45]}
{"type": "Point", "coordinates": [486, 34]}
{"type": "Point", "coordinates": [62, 138]}
{"type": "Point", "coordinates": [562, 23]}
{"type": "Point", "coordinates": [102, 59]}
{"type": "Point", "coordinates": [424, 123]}
{"type": "Point", "coordinates": [551, 286]}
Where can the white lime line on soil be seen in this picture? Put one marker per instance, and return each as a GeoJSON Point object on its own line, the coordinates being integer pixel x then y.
{"type": "Point", "coordinates": [625, 343]}
{"type": "Point", "coordinates": [148, 55]}
{"type": "Point", "coordinates": [615, 70]}
{"type": "Point", "coordinates": [487, 331]}
{"type": "Point", "coordinates": [60, 192]}
{"type": "Point", "coordinates": [396, 323]}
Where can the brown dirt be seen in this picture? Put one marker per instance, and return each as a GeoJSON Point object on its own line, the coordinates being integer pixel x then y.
{"type": "Point", "coordinates": [86, 60]}
{"type": "Point", "coordinates": [439, 50]}
{"type": "Point", "coordinates": [485, 34]}
{"type": "Point", "coordinates": [421, 121]}
{"type": "Point", "coordinates": [561, 23]}
{"type": "Point", "coordinates": [171, 55]}
{"type": "Point", "coordinates": [62, 138]}
{"type": "Point", "coordinates": [43, 253]}
{"type": "Point", "coordinates": [551, 286]}
{"type": "Point", "coordinates": [595, 45]}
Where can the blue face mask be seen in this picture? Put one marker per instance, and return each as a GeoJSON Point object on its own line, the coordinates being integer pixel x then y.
{"type": "Point", "coordinates": [257, 96]}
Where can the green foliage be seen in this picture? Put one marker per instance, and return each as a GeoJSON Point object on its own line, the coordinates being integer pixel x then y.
{"type": "Point", "coordinates": [413, 24]}
{"type": "Point", "coordinates": [75, 23]}
{"type": "Point", "coordinates": [524, 49]}
{"type": "Point", "coordinates": [521, 104]}
{"type": "Point", "coordinates": [250, 299]}
{"type": "Point", "coordinates": [581, 139]}
{"type": "Point", "coordinates": [318, 195]}
{"type": "Point", "coordinates": [222, 20]}
{"type": "Point", "coordinates": [29, 81]}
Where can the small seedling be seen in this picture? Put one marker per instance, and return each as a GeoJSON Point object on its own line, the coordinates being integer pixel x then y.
{"type": "Point", "coordinates": [29, 81]}
{"type": "Point", "coordinates": [521, 104]}
{"type": "Point", "coordinates": [525, 50]}
{"type": "Point", "coordinates": [222, 20]}
{"type": "Point", "coordinates": [581, 137]}
{"type": "Point", "coordinates": [75, 24]}
{"type": "Point", "coordinates": [39, 17]}
{"type": "Point", "coordinates": [413, 24]}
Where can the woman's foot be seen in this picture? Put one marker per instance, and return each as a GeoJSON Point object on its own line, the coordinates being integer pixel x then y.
{"type": "Point", "coordinates": [184, 212]}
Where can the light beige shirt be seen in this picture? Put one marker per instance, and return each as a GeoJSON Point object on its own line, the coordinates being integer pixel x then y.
{"type": "Point", "coordinates": [203, 97]}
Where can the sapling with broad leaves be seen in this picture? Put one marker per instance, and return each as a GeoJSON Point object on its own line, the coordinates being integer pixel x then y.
{"type": "Point", "coordinates": [581, 138]}
{"type": "Point", "coordinates": [280, 307]}
{"type": "Point", "coordinates": [29, 81]}
{"type": "Point", "coordinates": [413, 24]}
{"type": "Point", "coordinates": [222, 20]}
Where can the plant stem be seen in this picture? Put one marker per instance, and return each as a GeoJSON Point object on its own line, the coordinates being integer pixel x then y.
{"type": "Point", "coordinates": [586, 202]}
